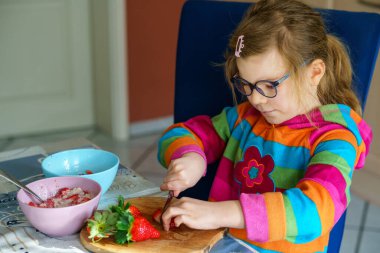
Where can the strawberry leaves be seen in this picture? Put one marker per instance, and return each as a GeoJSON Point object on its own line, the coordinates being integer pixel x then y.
{"type": "Point", "coordinates": [102, 225]}
{"type": "Point", "coordinates": [120, 207]}
{"type": "Point", "coordinates": [124, 226]}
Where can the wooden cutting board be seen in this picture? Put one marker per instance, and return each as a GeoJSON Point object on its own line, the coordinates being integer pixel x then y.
{"type": "Point", "coordinates": [182, 239]}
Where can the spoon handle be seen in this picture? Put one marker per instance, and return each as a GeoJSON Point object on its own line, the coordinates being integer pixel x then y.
{"type": "Point", "coordinates": [19, 184]}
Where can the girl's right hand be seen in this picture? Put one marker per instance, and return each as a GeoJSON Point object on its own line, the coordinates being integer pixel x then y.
{"type": "Point", "coordinates": [184, 173]}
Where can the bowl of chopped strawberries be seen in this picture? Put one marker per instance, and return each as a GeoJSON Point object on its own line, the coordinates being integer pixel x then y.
{"type": "Point", "coordinates": [67, 203]}
{"type": "Point", "coordinates": [96, 164]}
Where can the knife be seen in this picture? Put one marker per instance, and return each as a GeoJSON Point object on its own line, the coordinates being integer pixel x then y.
{"type": "Point", "coordinates": [169, 198]}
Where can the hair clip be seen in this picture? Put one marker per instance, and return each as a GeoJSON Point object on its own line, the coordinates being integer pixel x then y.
{"type": "Point", "coordinates": [239, 45]}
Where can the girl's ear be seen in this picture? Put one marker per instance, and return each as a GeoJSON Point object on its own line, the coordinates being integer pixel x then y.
{"type": "Point", "coordinates": [315, 71]}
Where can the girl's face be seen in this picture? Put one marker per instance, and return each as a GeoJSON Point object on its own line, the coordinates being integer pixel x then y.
{"type": "Point", "coordinates": [270, 66]}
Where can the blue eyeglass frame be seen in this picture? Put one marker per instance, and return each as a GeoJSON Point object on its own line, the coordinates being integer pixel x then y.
{"type": "Point", "coordinates": [253, 86]}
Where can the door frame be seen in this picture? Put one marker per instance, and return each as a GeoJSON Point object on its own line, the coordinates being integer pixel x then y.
{"type": "Point", "coordinates": [109, 37]}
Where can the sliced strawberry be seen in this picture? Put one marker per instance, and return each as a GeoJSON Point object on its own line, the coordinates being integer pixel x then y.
{"type": "Point", "coordinates": [32, 203]}
{"type": "Point", "coordinates": [85, 199]}
{"type": "Point", "coordinates": [49, 203]}
{"type": "Point", "coordinates": [157, 217]}
{"type": "Point", "coordinates": [134, 211]}
{"type": "Point", "coordinates": [73, 198]}
{"type": "Point", "coordinates": [62, 191]}
{"type": "Point", "coordinates": [142, 230]}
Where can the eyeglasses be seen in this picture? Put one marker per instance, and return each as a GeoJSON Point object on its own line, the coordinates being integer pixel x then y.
{"type": "Point", "coordinates": [264, 87]}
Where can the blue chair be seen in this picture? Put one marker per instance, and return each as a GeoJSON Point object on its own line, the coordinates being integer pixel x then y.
{"type": "Point", "coordinates": [200, 86]}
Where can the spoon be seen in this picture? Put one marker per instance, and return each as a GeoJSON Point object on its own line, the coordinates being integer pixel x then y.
{"type": "Point", "coordinates": [19, 184]}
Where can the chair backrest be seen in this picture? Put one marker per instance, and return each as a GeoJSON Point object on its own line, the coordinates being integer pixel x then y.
{"type": "Point", "coordinates": [200, 86]}
{"type": "Point", "coordinates": [205, 28]}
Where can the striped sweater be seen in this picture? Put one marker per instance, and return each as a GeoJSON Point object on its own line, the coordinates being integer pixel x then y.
{"type": "Point", "coordinates": [292, 179]}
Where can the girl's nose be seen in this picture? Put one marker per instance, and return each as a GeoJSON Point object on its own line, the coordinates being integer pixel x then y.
{"type": "Point", "coordinates": [256, 98]}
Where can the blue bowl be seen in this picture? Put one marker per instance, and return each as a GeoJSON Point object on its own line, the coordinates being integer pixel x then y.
{"type": "Point", "coordinates": [79, 162]}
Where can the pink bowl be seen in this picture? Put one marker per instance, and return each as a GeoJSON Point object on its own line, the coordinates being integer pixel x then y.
{"type": "Point", "coordinates": [64, 220]}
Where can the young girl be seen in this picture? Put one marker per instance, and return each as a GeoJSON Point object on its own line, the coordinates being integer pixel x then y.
{"type": "Point", "coordinates": [287, 154]}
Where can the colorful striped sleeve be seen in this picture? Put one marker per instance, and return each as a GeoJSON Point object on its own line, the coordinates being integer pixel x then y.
{"type": "Point", "coordinates": [202, 134]}
{"type": "Point", "coordinates": [311, 209]}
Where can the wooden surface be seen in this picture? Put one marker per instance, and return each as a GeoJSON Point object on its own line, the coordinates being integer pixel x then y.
{"type": "Point", "coordinates": [182, 239]}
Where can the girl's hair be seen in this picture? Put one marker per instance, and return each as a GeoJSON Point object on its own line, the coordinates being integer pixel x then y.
{"type": "Point", "coordinates": [299, 34]}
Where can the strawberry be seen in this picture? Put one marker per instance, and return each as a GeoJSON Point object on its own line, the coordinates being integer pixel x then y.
{"type": "Point", "coordinates": [134, 211]}
{"type": "Point", "coordinates": [89, 172]}
{"type": "Point", "coordinates": [32, 203]}
{"type": "Point", "coordinates": [133, 229]}
{"type": "Point", "coordinates": [85, 199]}
{"type": "Point", "coordinates": [73, 198]}
{"type": "Point", "coordinates": [61, 192]}
{"type": "Point", "coordinates": [49, 203]}
{"type": "Point", "coordinates": [142, 230]}
{"type": "Point", "coordinates": [157, 217]}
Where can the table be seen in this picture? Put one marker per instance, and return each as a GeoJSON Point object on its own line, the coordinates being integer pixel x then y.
{"type": "Point", "coordinates": [17, 235]}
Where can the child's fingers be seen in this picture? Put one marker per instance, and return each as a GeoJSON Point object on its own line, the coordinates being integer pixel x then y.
{"type": "Point", "coordinates": [176, 193]}
{"type": "Point", "coordinates": [187, 220]}
{"type": "Point", "coordinates": [172, 212]}
{"type": "Point", "coordinates": [164, 187]}
{"type": "Point", "coordinates": [178, 220]}
{"type": "Point", "coordinates": [180, 212]}
{"type": "Point", "coordinates": [171, 177]}
{"type": "Point", "coordinates": [177, 186]}
{"type": "Point", "coordinates": [174, 174]}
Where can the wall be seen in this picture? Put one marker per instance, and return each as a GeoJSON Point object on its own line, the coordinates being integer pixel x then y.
{"type": "Point", "coordinates": [152, 42]}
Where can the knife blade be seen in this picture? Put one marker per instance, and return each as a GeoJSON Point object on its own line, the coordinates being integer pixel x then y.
{"type": "Point", "coordinates": [169, 198]}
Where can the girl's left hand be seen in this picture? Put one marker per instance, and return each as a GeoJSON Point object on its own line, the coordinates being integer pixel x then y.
{"type": "Point", "coordinates": [199, 214]}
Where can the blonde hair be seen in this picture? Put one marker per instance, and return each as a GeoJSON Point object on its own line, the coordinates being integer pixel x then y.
{"type": "Point", "coordinates": [299, 34]}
